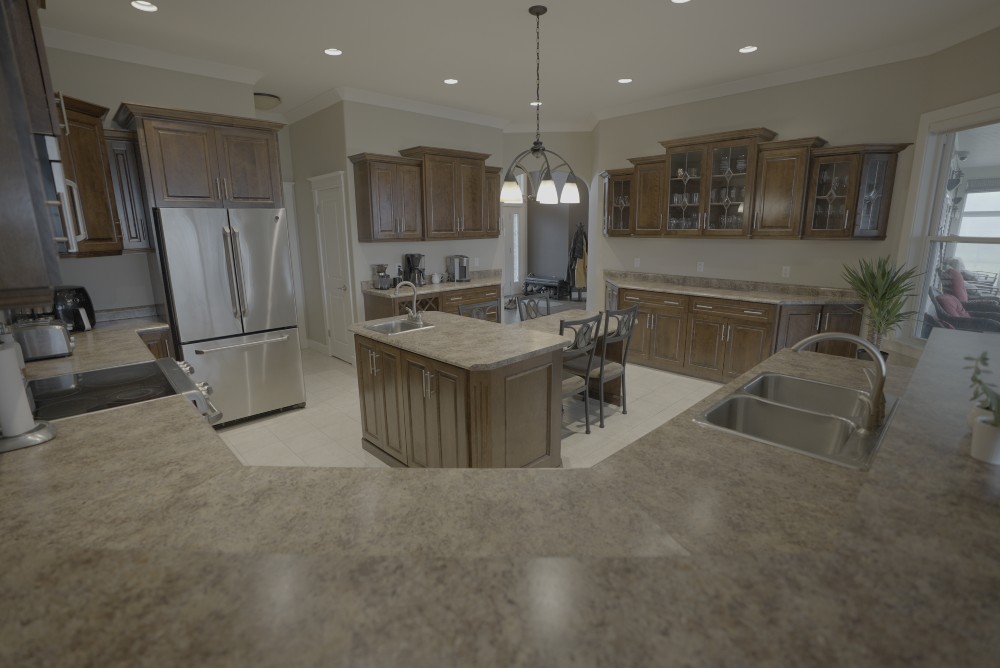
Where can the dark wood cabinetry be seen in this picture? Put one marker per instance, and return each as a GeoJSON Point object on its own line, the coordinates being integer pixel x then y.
{"type": "Point", "coordinates": [434, 405]}
{"type": "Point", "coordinates": [618, 202]}
{"type": "Point", "coordinates": [491, 202]}
{"type": "Point", "coordinates": [206, 160]}
{"type": "Point", "coordinates": [84, 156]}
{"type": "Point", "coordinates": [780, 187]}
{"type": "Point", "coordinates": [797, 321]}
{"type": "Point", "coordinates": [850, 188]}
{"type": "Point", "coordinates": [451, 301]}
{"type": "Point", "coordinates": [129, 193]}
{"type": "Point", "coordinates": [727, 337]}
{"type": "Point", "coordinates": [660, 333]}
{"type": "Point", "coordinates": [454, 186]}
{"type": "Point", "coordinates": [28, 261]}
{"type": "Point", "coordinates": [29, 54]}
{"type": "Point", "coordinates": [159, 342]}
{"type": "Point", "coordinates": [649, 180]}
{"type": "Point", "coordinates": [389, 199]}
{"type": "Point", "coordinates": [379, 389]}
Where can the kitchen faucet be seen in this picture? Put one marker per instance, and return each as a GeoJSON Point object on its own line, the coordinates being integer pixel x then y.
{"type": "Point", "coordinates": [877, 402]}
{"type": "Point", "coordinates": [412, 314]}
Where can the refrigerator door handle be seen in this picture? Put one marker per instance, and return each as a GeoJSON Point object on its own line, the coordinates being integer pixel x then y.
{"type": "Point", "coordinates": [204, 351]}
{"type": "Point", "coordinates": [238, 258]}
{"type": "Point", "coordinates": [228, 251]}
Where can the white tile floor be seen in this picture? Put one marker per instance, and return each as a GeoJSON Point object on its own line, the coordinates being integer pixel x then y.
{"type": "Point", "coordinates": [327, 432]}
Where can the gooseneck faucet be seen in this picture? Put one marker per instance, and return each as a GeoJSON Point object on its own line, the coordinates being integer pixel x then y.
{"type": "Point", "coordinates": [877, 386]}
{"type": "Point", "coordinates": [412, 314]}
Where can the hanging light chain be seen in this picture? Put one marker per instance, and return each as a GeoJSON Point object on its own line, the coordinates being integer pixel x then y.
{"type": "Point", "coordinates": [538, 76]}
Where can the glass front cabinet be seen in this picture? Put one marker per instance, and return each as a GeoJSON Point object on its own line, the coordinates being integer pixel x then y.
{"type": "Point", "coordinates": [850, 188]}
{"type": "Point", "coordinates": [618, 202]}
{"type": "Point", "coordinates": [710, 183]}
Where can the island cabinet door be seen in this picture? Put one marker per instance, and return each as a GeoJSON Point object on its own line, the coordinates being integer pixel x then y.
{"type": "Point", "coordinates": [372, 410]}
{"type": "Point", "coordinates": [435, 407]}
{"type": "Point", "coordinates": [388, 393]}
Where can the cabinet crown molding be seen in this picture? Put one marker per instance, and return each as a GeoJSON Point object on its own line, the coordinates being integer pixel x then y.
{"type": "Point", "coordinates": [421, 151]}
{"type": "Point", "coordinates": [88, 108]}
{"type": "Point", "coordinates": [377, 157]}
{"type": "Point", "coordinates": [804, 142]}
{"type": "Point", "coordinates": [860, 148]}
{"type": "Point", "coordinates": [128, 116]}
{"type": "Point", "coordinates": [760, 134]}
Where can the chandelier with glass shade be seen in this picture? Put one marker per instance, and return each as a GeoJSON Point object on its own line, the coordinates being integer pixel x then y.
{"type": "Point", "coordinates": [545, 189]}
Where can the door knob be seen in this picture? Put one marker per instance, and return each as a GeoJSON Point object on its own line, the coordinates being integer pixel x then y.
{"type": "Point", "coordinates": [343, 288]}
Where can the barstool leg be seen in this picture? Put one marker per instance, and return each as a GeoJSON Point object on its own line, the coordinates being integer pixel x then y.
{"type": "Point", "coordinates": [624, 405]}
{"type": "Point", "coordinates": [586, 407]}
{"type": "Point", "coordinates": [602, 402]}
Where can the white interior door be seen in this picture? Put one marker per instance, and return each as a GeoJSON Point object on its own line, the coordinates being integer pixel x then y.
{"type": "Point", "coordinates": [334, 249]}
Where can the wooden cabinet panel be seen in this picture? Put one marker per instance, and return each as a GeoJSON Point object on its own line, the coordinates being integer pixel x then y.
{"type": "Point", "coordinates": [248, 166]}
{"type": "Point", "coordinates": [618, 202]}
{"type": "Point", "coordinates": [371, 416]}
{"type": "Point", "coordinates": [85, 164]}
{"type": "Point", "coordinates": [454, 185]}
{"type": "Point", "coordinates": [158, 342]}
{"type": "Point", "coordinates": [388, 195]}
{"type": "Point", "coordinates": [796, 323]}
{"type": "Point", "coordinates": [408, 205]}
{"type": "Point", "coordinates": [183, 164]}
{"type": "Point", "coordinates": [419, 418]}
{"type": "Point", "coordinates": [669, 332]}
{"type": "Point", "coordinates": [123, 155]}
{"type": "Point", "coordinates": [878, 171]}
{"type": "Point", "coordinates": [448, 388]}
{"type": "Point", "coordinates": [472, 177]}
{"type": "Point", "coordinates": [388, 366]}
{"type": "Point", "coordinates": [780, 187]}
{"type": "Point", "coordinates": [29, 53]}
{"type": "Point", "coordinates": [491, 202]}
{"type": "Point", "coordinates": [642, 336]}
{"type": "Point", "coordinates": [705, 346]}
{"type": "Point", "coordinates": [747, 345]}
{"type": "Point", "coordinates": [451, 300]}
{"type": "Point", "coordinates": [650, 189]}
{"type": "Point", "coordinates": [382, 180]}
{"type": "Point", "coordinates": [441, 197]}
{"type": "Point", "coordinates": [840, 318]}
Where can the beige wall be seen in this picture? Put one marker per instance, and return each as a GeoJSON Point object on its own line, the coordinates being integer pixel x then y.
{"type": "Point", "coordinates": [123, 281]}
{"type": "Point", "coordinates": [964, 72]}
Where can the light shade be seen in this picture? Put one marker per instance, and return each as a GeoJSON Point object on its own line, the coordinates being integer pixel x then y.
{"type": "Point", "coordinates": [570, 193]}
{"type": "Point", "coordinates": [547, 192]}
{"type": "Point", "coordinates": [511, 193]}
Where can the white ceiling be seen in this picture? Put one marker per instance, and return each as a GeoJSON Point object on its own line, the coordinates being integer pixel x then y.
{"type": "Point", "coordinates": [405, 48]}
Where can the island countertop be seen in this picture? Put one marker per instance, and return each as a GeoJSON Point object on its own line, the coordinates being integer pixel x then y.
{"type": "Point", "coordinates": [135, 537]}
{"type": "Point", "coordinates": [429, 288]}
{"type": "Point", "coordinates": [468, 343]}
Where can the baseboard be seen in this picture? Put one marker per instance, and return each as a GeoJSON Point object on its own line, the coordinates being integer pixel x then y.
{"type": "Point", "coordinates": [317, 346]}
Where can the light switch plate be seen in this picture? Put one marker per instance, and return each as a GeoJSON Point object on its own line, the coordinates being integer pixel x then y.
{"type": "Point", "coordinates": [635, 263]}
{"type": "Point", "coordinates": [700, 266]}
{"type": "Point", "coordinates": [786, 271]}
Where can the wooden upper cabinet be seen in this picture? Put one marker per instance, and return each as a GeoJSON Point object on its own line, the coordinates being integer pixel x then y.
{"type": "Point", "coordinates": [650, 181]}
{"type": "Point", "coordinates": [850, 188]}
{"type": "Point", "coordinates": [29, 53]}
{"type": "Point", "coordinates": [618, 202]}
{"type": "Point", "coordinates": [248, 163]}
{"type": "Point", "coordinates": [491, 203]}
{"type": "Point", "coordinates": [388, 197]}
{"type": "Point", "coordinates": [687, 173]}
{"type": "Point", "coordinates": [454, 191]}
{"type": "Point", "coordinates": [780, 187]}
{"type": "Point", "coordinates": [206, 160]}
{"type": "Point", "coordinates": [123, 156]}
{"type": "Point", "coordinates": [84, 156]}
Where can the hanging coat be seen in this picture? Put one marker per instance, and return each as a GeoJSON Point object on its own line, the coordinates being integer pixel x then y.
{"type": "Point", "coordinates": [576, 272]}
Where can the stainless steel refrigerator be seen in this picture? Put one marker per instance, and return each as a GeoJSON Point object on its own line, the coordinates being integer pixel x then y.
{"type": "Point", "coordinates": [232, 301]}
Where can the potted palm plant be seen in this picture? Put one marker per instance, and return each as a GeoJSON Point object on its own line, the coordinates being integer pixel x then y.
{"type": "Point", "coordinates": [884, 289]}
{"type": "Point", "coordinates": [986, 427]}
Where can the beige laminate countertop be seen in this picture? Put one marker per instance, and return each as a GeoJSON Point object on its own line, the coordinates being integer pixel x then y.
{"type": "Point", "coordinates": [136, 538]}
{"type": "Point", "coordinates": [109, 344]}
{"type": "Point", "coordinates": [434, 288]}
{"type": "Point", "coordinates": [468, 343]}
{"type": "Point", "coordinates": [808, 296]}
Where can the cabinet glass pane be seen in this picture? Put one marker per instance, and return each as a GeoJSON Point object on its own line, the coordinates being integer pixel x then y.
{"type": "Point", "coordinates": [873, 187]}
{"type": "Point", "coordinates": [621, 203]}
{"type": "Point", "coordinates": [684, 193]}
{"type": "Point", "coordinates": [729, 187]}
{"type": "Point", "coordinates": [831, 207]}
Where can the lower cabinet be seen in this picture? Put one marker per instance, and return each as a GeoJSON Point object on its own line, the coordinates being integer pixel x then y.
{"type": "Point", "coordinates": [801, 320]}
{"type": "Point", "coordinates": [450, 301]}
{"type": "Point", "coordinates": [434, 406]}
{"type": "Point", "coordinates": [159, 342]}
{"type": "Point", "coordinates": [381, 401]}
{"type": "Point", "coordinates": [727, 338]}
{"type": "Point", "coordinates": [659, 337]}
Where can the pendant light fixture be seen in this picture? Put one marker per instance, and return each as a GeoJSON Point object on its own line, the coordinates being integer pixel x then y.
{"type": "Point", "coordinates": [545, 191]}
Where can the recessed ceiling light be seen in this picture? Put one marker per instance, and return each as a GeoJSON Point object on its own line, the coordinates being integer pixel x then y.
{"type": "Point", "coordinates": [144, 6]}
{"type": "Point", "coordinates": [536, 103]}
{"type": "Point", "coordinates": [748, 49]}
{"type": "Point", "coordinates": [679, 2]}
{"type": "Point", "coordinates": [332, 52]}
{"type": "Point", "coordinates": [624, 81]}
{"type": "Point", "coordinates": [451, 82]}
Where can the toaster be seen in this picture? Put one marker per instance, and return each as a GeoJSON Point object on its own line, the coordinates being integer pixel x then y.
{"type": "Point", "coordinates": [42, 339]}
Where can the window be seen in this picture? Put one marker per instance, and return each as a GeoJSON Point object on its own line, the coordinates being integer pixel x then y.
{"type": "Point", "coordinates": [960, 285]}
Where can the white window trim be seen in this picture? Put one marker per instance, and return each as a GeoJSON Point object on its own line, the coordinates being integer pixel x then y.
{"type": "Point", "coordinates": [930, 149]}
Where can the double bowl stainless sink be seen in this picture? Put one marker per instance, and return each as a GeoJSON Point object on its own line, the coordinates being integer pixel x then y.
{"type": "Point", "coordinates": [398, 326]}
{"type": "Point", "coordinates": [817, 419]}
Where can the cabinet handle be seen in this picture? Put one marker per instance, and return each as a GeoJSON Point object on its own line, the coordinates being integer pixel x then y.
{"type": "Point", "coordinates": [667, 301]}
{"type": "Point", "coordinates": [703, 306]}
{"type": "Point", "coordinates": [826, 322]}
{"type": "Point", "coordinates": [726, 329]}
{"type": "Point", "coordinates": [455, 299]}
{"type": "Point", "coordinates": [649, 321]}
{"type": "Point", "coordinates": [753, 312]}
{"type": "Point", "coordinates": [225, 184]}
{"type": "Point", "coordinates": [218, 188]}
{"type": "Point", "coordinates": [374, 363]}
{"type": "Point", "coordinates": [430, 384]}
{"type": "Point", "coordinates": [62, 107]}
{"type": "Point", "coordinates": [631, 299]}
{"type": "Point", "coordinates": [818, 316]}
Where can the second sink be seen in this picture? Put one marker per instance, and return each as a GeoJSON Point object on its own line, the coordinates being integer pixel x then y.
{"type": "Point", "coordinates": [811, 395]}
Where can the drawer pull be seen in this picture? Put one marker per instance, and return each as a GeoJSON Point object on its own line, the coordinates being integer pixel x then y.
{"type": "Point", "coordinates": [753, 312]}
{"type": "Point", "coordinates": [455, 299]}
{"type": "Point", "coordinates": [703, 306]}
{"type": "Point", "coordinates": [631, 299]}
{"type": "Point", "coordinates": [667, 301]}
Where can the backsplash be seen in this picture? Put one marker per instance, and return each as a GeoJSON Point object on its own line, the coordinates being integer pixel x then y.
{"type": "Point", "coordinates": [730, 284]}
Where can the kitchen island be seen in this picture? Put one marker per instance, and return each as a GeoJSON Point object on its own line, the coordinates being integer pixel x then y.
{"type": "Point", "coordinates": [463, 393]}
{"type": "Point", "coordinates": [137, 538]}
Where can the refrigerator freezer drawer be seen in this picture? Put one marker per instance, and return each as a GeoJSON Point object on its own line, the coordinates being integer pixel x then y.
{"type": "Point", "coordinates": [250, 374]}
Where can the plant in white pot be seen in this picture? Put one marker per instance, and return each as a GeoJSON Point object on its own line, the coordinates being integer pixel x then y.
{"type": "Point", "coordinates": [884, 289]}
{"type": "Point", "coordinates": [986, 428]}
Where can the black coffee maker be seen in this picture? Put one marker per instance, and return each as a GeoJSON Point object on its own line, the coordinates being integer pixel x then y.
{"type": "Point", "coordinates": [413, 268]}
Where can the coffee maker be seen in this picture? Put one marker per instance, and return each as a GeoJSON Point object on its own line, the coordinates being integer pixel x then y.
{"type": "Point", "coordinates": [413, 268]}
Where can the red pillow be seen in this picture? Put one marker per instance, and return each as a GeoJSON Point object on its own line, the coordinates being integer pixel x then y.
{"type": "Point", "coordinates": [950, 305]}
{"type": "Point", "coordinates": [958, 285]}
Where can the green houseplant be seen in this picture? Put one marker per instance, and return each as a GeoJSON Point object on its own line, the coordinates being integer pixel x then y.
{"type": "Point", "coordinates": [884, 289]}
{"type": "Point", "coordinates": [986, 427]}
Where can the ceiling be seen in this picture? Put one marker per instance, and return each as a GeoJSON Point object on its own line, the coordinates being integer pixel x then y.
{"type": "Point", "coordinates": [405, 49]}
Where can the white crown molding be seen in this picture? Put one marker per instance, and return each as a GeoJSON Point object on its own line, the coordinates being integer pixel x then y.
{"type": "Point", "coordinates": [945, 38]}
{"type": "Point", "coordinates": [129, 53]}
{"type": "Point", "coordinates": [275, 116]}
{"type": "Point", "coordinates": [529, 128]}
{"type": "Point", "coordinates": [318, 103]}
{"type": "Point", "coordinates": [403, 104]}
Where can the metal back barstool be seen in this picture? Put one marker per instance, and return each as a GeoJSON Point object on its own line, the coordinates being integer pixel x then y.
{"type": "Point", "coordinates": [580, 352]}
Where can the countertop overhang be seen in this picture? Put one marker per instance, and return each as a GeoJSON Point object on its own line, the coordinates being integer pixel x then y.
{"type": "Point", "coordinates": [136, 537]}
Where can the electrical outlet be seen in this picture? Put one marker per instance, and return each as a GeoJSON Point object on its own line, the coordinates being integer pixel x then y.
{"type": "Point", "coordinates": [475, 262]}
{"type": "Point", "coordinates": [700, 266]}
{"type": "Point", "coordinates": [635, 263]}
{"type": "Point", "coordinates": [786, 271]}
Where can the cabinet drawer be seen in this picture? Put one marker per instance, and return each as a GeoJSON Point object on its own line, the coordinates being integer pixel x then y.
{"type": "Point", "coordinates": [733, 308]}
{"type": "Point", "coordinates": [627, 298]}
{"type": "Point", "coordinates": [470, 296]}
